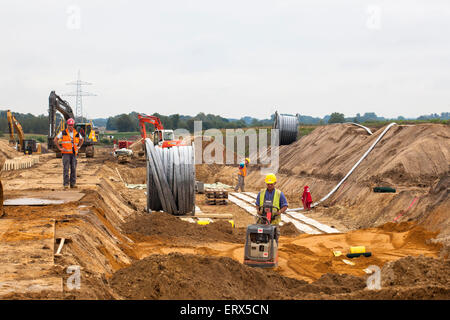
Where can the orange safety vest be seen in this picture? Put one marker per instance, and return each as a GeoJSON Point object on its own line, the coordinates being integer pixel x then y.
{"type": "Point", "coordinates": [243, 171]}
{"type": "Point", "coordinates": [69, 145]}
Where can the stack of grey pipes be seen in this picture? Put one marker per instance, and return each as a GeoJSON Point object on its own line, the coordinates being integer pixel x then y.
{"type": "Point", "coordinates": [170, 179]}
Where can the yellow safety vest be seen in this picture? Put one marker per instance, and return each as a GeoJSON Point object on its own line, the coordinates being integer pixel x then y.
{"type": "Point", "coordinates": [275, 200]}
{"type": "Point", "coordinates": [276, 217]}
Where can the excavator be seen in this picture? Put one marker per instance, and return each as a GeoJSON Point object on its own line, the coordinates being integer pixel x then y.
{"type": "Point", "coordinates": [161, 137]}
{"type": "Point", "coordinates": [27, 146]}
{"type": "Point", "coordinates": [86, 129]}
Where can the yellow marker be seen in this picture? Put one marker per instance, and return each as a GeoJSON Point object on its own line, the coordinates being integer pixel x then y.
{"type": "Point", "coordinates": [232, 223]}
{"type": "Point", "coordinates": [359, 249]}
{"type": "Point", "coordinates": [203, 222]}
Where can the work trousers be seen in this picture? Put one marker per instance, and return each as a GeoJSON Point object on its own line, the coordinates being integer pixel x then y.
{"type": "Point", "coordinates": [69, 163]}
{"type": "Point", "coordinates": [240, 183]}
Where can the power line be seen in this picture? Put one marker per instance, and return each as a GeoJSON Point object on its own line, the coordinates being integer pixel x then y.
{"type": "Point", "coordinates": [79, 93]}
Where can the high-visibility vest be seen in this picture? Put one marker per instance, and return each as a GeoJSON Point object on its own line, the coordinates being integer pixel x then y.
{"type": "Point", "coordinates": [243, 171]}
{"type": "Point", "coordinates": [69, 145]}
{"type": "Point", "coordinates": [276, 217]}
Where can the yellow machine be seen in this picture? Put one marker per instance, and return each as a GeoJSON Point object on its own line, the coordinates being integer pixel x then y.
{"type": "Point", "coordinates": [90, 138]}
{"type": "Point", "coordinates": [27, 146]}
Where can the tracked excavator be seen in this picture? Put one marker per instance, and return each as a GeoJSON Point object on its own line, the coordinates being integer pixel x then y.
{"type": "Point", "coordinates": [27, 146]}
{"type": "Point", "coordinates": [86, 129]}
{"type": "Point", "coordinates": [161, 137]}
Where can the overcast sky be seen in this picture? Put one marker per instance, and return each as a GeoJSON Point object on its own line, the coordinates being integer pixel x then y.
{"type": "Point", "coordinates": [233, 58]}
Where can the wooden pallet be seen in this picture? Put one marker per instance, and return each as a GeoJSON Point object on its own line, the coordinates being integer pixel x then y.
{"type": "Point", "coordinates": [216, 201]}
{"type": "Point", "coordinates": [216, 194]}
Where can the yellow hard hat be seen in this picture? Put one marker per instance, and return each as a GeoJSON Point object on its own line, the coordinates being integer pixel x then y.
{"type": "Point", "coordinates": [270, 178]}
{"type": "Point", "coordinates": [248, 160]}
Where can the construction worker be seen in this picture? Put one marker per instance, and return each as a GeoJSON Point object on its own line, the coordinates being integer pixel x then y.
{"type": "Point", "coordinates": [242, 174]}
{"type": "Point", "coordinates": [69, 141]}
{"type": "Point", "coordinates": [306, 198]}
{"type": "Point", "coordinates": [275, 198]}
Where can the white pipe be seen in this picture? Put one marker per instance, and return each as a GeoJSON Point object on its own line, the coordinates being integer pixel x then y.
{"type": "Point", "coordinates": [351, 170]}
{"type": "Point", "coordinates": [360, 125]}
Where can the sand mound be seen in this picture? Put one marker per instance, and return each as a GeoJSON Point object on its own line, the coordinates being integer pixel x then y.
{"type": "Point", "coordinates": [416, 271]}
{"type": "Point", "coordinates": [178, 276]}
{"type": "Point", "coordinates": [412, 154]}
{"type": "Point", "coordinates": [289, 230]}
{"type": "Point", "coordinates": [8, 152]}
{"type": "Point", "coordinates": [185, 276]}
{"type": "Point", "coordinates": [165, 225]}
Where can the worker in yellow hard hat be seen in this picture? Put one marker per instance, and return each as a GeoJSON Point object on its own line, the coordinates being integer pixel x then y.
{"type": "Point", "coordinates": [242, 174]}
{"type": "Point", "coordinates": [272, 198]}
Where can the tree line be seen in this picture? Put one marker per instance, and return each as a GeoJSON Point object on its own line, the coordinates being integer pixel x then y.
{"type": "Point", "coordinates": [29, 122]}
{"type": "Point", "coordinates": [130, 122]}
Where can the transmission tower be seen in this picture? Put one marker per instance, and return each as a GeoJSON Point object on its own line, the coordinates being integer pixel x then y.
{"type": "Point", "coordinates": [79, 94]}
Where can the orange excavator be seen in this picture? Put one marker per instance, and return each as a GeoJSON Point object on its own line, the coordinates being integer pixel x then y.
{"type": "Point", "coordinates": [161, 137]}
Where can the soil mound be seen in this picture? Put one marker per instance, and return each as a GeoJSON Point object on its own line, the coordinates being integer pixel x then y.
{"type": "Point", "coordinates": [8, 152]}
{"type": "Point", "coordinates": [416, 271]}
{"type": "Point", "coordinates": [289, 230]}
{"type": "Point", "coordinates": [165, 225]}
{"type": "Point", "coordinates": [185, 276]}
{"type": "Point", "coordinates": [178, 276]}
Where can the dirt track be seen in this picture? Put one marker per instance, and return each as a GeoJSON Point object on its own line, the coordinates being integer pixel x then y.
{"type": "Point", "coordinates": [115, 243]}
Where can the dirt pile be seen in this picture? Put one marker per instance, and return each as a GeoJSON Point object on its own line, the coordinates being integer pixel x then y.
{"type": "Point", "coordinates": [409, 278]}
{"type": "Point", "coordinates": [416, 271]}
{"type": "Point", "coordinates": [178, 276]}
{"type": "Point", "coordinates": [164, 225]}
{"type": "Point", "coordinates": [185, 276]}
{"type": "Point", "coordinates": [410, 154]}
{"type": "Point", "coordinates": [8, 152]}
{"type": "Point", "coordinates": [289, 230]}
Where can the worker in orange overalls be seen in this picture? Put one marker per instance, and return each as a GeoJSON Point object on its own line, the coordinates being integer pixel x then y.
{"type": "Point", "coordinates": [242, 174]}
{"type": "Point", "coordinates": [306, 198]}
{"type": "Point", "coordinates": [69, 141]}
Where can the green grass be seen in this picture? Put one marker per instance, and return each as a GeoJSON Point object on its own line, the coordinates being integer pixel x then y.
{"type": "Point", "coordinates": [305, 130]}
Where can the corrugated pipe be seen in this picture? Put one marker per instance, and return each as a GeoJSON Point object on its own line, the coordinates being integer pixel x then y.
{"type": "Point", "coordinates": [170, 178]}
{"type": "Point", "coordinates": [351, 170]}
{"type": "Point", "coordinates": [287, 126]}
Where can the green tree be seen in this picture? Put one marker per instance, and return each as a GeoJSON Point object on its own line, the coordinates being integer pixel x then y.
{"type": "Point", "coordinates": [336, 117]}
{"type": "Point", "coordinates": [124, 123]}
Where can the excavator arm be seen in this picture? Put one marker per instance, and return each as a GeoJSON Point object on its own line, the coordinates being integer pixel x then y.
{"type": "Point", "coordinates": [143, 119]}
{"type": "Point", "coordinates": [10, 127]}
{"type": "Point", "coordinates": [14, 124]}
{"type": "Point", "coordinates": [55, 103]}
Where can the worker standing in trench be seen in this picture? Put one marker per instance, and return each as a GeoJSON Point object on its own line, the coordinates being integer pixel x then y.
{"type": "Point", "coordinates": [69, 141]}
{"type": "Point", "coordinates": [242, 174]}
{"type": "Point", "coordinates": [273, 197]}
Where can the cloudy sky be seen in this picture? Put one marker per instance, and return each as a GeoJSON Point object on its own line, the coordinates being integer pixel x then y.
{"type": "Point", "coordinates": [233, 58]}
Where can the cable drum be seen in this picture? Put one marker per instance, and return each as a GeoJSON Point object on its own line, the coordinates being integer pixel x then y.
{"type": "Point", "coordinates": [170, 179]}
{"type": "Point", "coordinates": [287, 126]}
